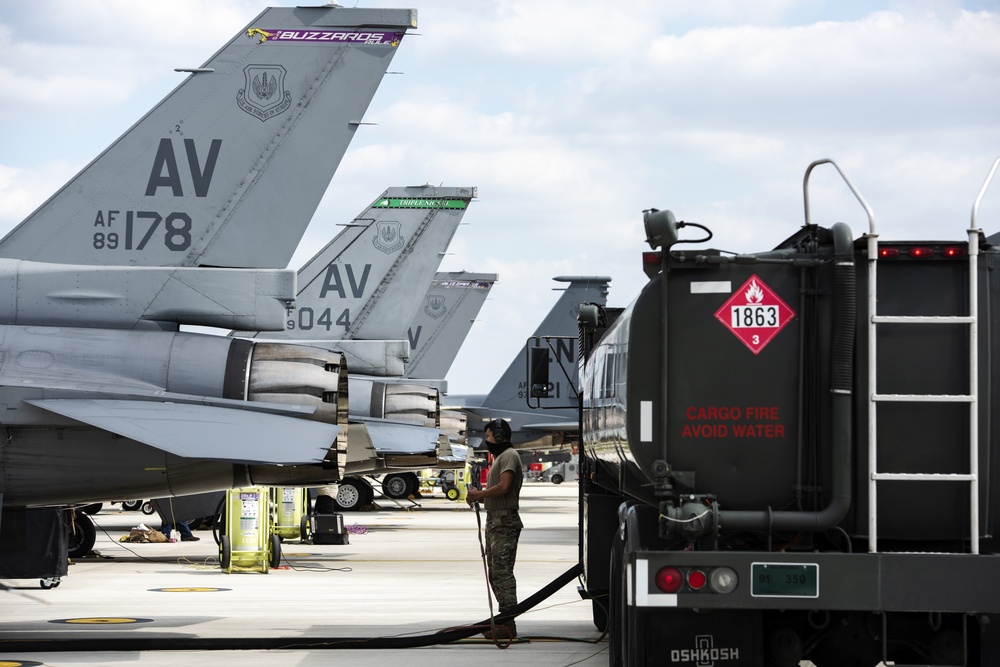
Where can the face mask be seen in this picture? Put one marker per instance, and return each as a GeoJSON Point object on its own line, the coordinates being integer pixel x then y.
{"type": "Point", "coordinates": [497, 448]}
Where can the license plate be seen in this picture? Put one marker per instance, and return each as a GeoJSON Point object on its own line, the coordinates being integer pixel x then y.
{"type": "Point", "coordinates": [784, 580]}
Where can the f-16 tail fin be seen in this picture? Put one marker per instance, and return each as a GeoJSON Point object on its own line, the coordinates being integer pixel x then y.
{"type": "Point", "coordinates": [443, 321]}
{"type": "Point", "coordinates": [368, 282]}
{"type": "Point", "coordinates": [229, 168]}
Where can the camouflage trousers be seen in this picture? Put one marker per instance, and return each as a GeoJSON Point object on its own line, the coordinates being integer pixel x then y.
{"type": "Point", "coordinates": [501, 552]}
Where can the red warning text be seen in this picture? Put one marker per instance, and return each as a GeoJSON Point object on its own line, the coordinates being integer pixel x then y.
{"type": "Point", "coordinates": [750, 421]}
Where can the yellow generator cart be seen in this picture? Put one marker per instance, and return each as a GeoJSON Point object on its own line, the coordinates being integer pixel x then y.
{"type": "Point", "coordinates": [291, 509]}
{"type": "Point", "coordinates": [248, 545]}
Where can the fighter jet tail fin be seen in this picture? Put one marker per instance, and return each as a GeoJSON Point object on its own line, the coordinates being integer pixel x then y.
{"type": "Point", "coordinates": [509, 392]}
{"type": "Point", "coordinates": [443, 321]}
{"type": "Point", "coordinates": [367, 283]}
{"type": "Point", "coordinates": [229, 168]}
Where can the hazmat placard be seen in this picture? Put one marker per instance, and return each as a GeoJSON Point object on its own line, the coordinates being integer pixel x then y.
{"type": "Point", "coordinates": [755, 314]}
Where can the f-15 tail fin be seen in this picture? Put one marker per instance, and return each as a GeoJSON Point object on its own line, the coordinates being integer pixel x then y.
{"type": "Point", "coordinates": [229, 168]}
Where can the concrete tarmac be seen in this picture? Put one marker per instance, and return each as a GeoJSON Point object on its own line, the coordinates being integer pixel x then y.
{"type": "Point", "coordinates": [410, 569]}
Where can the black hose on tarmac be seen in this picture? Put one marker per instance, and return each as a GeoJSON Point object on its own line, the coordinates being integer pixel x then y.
{"type": "Point", "coordinates": [172, 642]}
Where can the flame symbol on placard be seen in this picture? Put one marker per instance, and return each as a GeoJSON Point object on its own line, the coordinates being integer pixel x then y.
{"type": "Point", "coordinates": [754, 293]}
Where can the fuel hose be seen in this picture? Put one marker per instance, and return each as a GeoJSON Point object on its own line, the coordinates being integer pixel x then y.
{"type": "Point", "coordinates": [179, 643]}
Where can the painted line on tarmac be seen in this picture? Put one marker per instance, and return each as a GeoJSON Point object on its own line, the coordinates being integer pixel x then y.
{"type": "Point", "coordinates": [189, 589]}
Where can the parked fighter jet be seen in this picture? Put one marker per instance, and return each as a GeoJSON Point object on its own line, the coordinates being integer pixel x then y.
{"type": "Point", "coordinates": [439, 328]}
{"type": "Point", "coordinates": [97, 408]}
{"type": "Point", "coordinates": [508, 398]}
{"type": "Point", "coordinates": [356, 296]}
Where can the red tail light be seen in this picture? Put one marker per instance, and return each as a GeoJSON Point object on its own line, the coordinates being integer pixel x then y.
{"type": "Point", "coordinates": [921, 252]}
{"type": "Point", "coordinates": [669, 579]}
{"type": "Point", "coordinates": [697, 579]}
{"type": "Point", "coordinates": [954, 251]}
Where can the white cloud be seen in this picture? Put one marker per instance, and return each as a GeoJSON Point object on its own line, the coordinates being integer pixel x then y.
{"type": "Point", "coordinates": [571, 118]}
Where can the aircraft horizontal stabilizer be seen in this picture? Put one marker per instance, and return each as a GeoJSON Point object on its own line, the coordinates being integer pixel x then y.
{"type": "Point", "coordinates": [203, 431]}
{"type": "Point", "coordinates": [395, 438]}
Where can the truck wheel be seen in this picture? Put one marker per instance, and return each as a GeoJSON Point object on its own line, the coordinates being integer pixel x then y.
{"type": "Point", "coordinates": [617, 643]}
{"type": "Point", "coordinates": [557, 479]}
{"type": "Point", "coordinates": [82, 536]}
{"type": "Point", "coordinates": [131, 505]}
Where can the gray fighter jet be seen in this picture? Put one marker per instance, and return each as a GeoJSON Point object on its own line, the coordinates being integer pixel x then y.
{"type": "Point", "coordinates": [356, 296]}
{"type": "Point", "coordinates": [184, 221]}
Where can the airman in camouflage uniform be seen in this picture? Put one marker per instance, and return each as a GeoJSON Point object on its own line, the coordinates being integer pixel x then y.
{"type": "Point", "coordinates": [503, 524]}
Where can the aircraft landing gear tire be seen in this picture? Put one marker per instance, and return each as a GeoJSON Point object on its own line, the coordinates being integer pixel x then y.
{"type": "Point", "coordinates": [396, 486]}
{"type": "Point", "coordinates": [51, 582]}
{"type": "Point", "coordinates": [131, 505]}
{"type": "Point", "coordinates": [147, 508]}
{"type": "Point", "coordinates": [82, 536]}
{"type": "Point", "coordinates": [353, 494]}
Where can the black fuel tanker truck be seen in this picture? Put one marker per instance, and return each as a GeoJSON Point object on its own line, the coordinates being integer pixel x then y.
{"type": "Point", "coordinates": [795, 455]}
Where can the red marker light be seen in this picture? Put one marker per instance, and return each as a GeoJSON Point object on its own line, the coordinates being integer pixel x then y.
{"type": "Point", "coordinates": [954, 251]}
{"type": "Point", "coordinates": [888, 253]}
{"type": "Point", "coordinates": [921, 252]}
{"type": "Point", "coordinates": [669, 579]}
{"type": "Point", "coordinates": [697, 579]}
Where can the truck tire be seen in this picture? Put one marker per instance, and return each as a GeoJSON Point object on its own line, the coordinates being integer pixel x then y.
{"type": "Point", "coordinates": [617, 641]}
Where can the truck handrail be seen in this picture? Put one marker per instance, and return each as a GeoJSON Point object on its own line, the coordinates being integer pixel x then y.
{"type": "Point", "coordinates": [982, 192]}
{"type": "Point", "coordinates": [857, 194]}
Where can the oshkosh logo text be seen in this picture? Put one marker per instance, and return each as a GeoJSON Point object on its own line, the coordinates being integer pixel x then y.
{"type": "Point", "coordinates": [705, 655]}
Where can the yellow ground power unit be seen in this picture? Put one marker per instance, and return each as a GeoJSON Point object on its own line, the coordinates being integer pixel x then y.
{"type": "Point", "coordinates": [290, 508]}
{"type": "Point", "coordinates": [248, 544]}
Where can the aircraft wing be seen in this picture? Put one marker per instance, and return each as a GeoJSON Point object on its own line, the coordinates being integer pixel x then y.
{"type": "Point", "coordinates": [204, 431]}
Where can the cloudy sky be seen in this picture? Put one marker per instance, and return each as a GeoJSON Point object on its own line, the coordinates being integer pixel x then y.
{"type": "Point", "coordinates": [572, 117]}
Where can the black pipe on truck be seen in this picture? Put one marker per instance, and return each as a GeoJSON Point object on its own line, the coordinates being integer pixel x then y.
{"type": "Point", "coordinates": [841, 375]}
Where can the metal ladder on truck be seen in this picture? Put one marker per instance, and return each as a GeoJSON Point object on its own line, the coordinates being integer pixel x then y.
{"type": "Point", "coordinates": [971, 398]}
